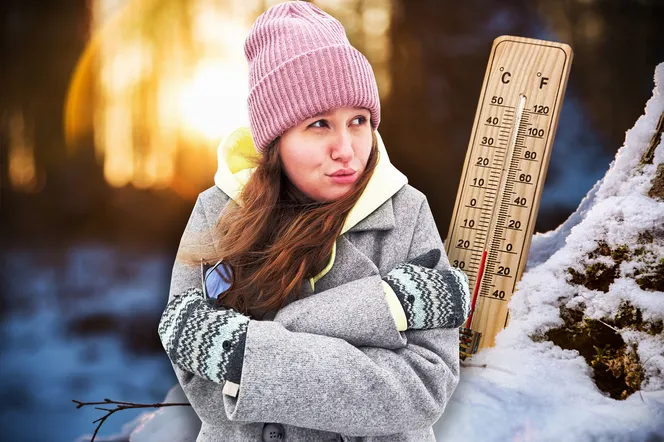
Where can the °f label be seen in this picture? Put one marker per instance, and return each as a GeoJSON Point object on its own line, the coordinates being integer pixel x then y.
{"type": "Point", "coordinates": [504, 173]}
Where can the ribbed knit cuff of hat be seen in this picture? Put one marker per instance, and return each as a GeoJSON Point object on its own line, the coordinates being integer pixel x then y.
{"type": "Point", "coordinates": [326, 78]}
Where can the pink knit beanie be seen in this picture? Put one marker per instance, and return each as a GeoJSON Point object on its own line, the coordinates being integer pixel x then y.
{"type": "Point", "coordinates": [300, 64]}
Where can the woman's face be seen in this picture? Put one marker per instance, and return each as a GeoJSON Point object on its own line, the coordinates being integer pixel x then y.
{"type": "Point", "coordinates": [325, 155]}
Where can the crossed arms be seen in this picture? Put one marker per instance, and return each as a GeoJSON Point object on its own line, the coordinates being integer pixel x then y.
{"type": "Point", "coordinates": [350, 372]}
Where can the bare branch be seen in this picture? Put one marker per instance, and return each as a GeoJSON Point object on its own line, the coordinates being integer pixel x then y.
{"type": "Point", "coordinates": [121, 406]}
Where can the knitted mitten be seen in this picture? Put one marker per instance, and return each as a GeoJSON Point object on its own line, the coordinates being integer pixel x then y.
{"type": "Point", "coordinates": [203, 339]}
{"type": "Point", "coordinates": [430, 298]}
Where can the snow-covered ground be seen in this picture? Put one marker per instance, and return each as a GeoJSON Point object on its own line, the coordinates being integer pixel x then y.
{"type": "Point", "coordinates": [538, 391]}
{"type": "Point", "coordinates": [53, 353]}
{"type": "Point", "coordinates": [533, 390]}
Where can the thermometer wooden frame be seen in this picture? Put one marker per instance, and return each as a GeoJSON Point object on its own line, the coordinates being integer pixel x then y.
{"type": "Point", "coordinates": [503, 176]}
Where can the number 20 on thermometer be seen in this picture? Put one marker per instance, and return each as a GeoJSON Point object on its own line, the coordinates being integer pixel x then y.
{"type": "Point", "coordinates": [503, 176]}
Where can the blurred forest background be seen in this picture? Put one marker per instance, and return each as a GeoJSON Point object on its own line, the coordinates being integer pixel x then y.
{"type": "Point", "coordinates": [111, 114]}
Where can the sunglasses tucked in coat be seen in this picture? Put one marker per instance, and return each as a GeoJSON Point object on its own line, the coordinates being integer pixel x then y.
{"type": "Point", "coordinates": [376, 384]}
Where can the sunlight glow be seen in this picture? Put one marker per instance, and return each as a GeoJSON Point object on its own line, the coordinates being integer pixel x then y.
{"type": "Point", "coordinates": [214, 102]}
{"type": "Point", "coordinates": [161, 82]}
{"type": "Point", "coordinates": [22, 175]}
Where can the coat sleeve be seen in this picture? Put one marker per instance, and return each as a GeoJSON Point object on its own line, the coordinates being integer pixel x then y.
{"type": "Point", "coordinates": [357, 312]}
{"type": "Point", "coordinates": [325, 383]}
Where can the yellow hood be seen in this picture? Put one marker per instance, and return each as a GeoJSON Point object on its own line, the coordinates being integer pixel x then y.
{"type": "Point", "coordinates": [234, 170]}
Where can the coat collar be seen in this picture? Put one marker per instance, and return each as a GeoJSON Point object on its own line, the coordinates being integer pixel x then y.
{"type": "Point", "coordinates": [380, 219]}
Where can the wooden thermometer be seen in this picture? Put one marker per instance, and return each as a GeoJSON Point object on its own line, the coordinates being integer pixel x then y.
{"type": "Point", "coordinates": [503, 176]}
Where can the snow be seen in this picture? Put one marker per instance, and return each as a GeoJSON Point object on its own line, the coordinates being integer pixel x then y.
{"type": "Point", "coordinates": [536, 391]}
{"type": "Point", "coordinates": [44, 366]}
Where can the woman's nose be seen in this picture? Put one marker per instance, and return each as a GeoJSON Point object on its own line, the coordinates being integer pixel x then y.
{"type": "Point", "coordinates": [342, 147]}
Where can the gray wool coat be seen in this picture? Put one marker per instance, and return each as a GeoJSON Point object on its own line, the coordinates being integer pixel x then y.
{"type": "Point", "coordinates": [332, 366]}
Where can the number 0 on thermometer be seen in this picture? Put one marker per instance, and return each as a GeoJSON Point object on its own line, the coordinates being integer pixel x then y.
{"type": "Point", "coordinates": [503, 176]}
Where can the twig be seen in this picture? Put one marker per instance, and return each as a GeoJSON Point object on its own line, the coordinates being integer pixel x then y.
{"type": "Point", "coordinates": [611, 327]}
{"type": "Point", "coordinates": [120, 406]}
{"type": "Point", "coordinates": [468, 364]}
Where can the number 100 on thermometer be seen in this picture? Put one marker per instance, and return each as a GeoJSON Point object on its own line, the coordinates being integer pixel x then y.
{"type": "Point", "coordinates": [503, 176]}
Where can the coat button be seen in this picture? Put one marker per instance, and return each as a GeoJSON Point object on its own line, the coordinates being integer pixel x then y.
{"type": "Point", "coordinates": [273, 432]}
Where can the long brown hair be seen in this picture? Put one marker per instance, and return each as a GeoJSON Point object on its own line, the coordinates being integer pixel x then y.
{"type": "Point", "coordinates": [278, 236]}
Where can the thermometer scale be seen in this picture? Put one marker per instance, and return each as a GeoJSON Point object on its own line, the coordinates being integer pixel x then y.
{"type": "Point", "coordinates": [503, 177]}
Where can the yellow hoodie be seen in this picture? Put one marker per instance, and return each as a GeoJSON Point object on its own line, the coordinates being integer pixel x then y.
{"type": "Point", "coordinates": [234, 170]}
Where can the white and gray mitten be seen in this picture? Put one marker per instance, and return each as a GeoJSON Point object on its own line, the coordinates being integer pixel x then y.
{"type": "Point", "coordinates": [204, 339]}
{"type": "Point", "coordinates": [430, 298]}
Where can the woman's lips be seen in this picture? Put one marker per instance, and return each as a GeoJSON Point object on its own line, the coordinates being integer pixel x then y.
{"type": "Point", "coordinates": [344, 179]}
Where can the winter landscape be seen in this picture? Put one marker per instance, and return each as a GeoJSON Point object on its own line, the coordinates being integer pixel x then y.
{"type": "Point", "coordinates": [582, 358]}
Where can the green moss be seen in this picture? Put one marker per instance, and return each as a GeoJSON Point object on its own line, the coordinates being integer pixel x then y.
{"type": "Point", "coordinates": [602, 249]}
{"type": "Point", "coordinates": [629, 316]}
{"type": "Point", "coordinates": [620, 253]}
{"type": "Point", "coordinates": [653, 277]}
{"type": "Point", "coordinates": [621, 364]}
{"type": "Point", "coordinates": [616, 369]}
{"type": "Point", "coordinates": [645, 237]}
{"type": "Point", "coordinates": [616, 366]}
{"type": "Point", "coordinates": [649, 236]}
{"type": "Point", "coordinates": [655, 328]}
{"type": "Point", "coordinates": [598, 276]}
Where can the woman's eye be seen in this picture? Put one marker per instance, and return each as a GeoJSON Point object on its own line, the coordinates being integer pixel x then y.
{"type": "Point", "coordinates": [361, 119]}
{"type": "Point", "coordinates": [319, 121]}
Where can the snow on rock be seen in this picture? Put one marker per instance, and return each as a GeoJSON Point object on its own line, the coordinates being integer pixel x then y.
{"type": "Point", "coordinates": [532, 389]}
{"type": "Point", "coordinates": [543, 245]}
{"type": "Point", "coordinates": [605, 263]}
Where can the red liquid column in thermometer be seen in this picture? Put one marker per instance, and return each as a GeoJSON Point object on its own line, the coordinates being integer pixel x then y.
{"type": "Point", "coordinates": [476, 290]}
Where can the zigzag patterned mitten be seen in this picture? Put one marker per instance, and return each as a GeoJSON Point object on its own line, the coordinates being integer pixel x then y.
{"type": "Point", "coordinates": [202, 339]}
{"type": "Point", "coordinates": [430, 298]}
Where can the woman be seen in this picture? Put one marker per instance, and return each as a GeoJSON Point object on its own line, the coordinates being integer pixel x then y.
{"type": "Point", "coordinates": [313, 231]}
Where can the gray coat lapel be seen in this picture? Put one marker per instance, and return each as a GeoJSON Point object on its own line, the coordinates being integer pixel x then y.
{"type": "Point", "coordinates": [380, 219]}
{"type": "Point", "coordinates": [350, 262]}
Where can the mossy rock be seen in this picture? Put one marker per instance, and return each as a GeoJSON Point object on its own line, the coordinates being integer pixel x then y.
{"type": "Point", "coordinates": [657, 189]}
{"type": "Point", "coordinates": [598, 276]}
{"type": "Point", "coordinates": [653, 277]}
{"type": "Point", "coordinates": [616, 369]}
